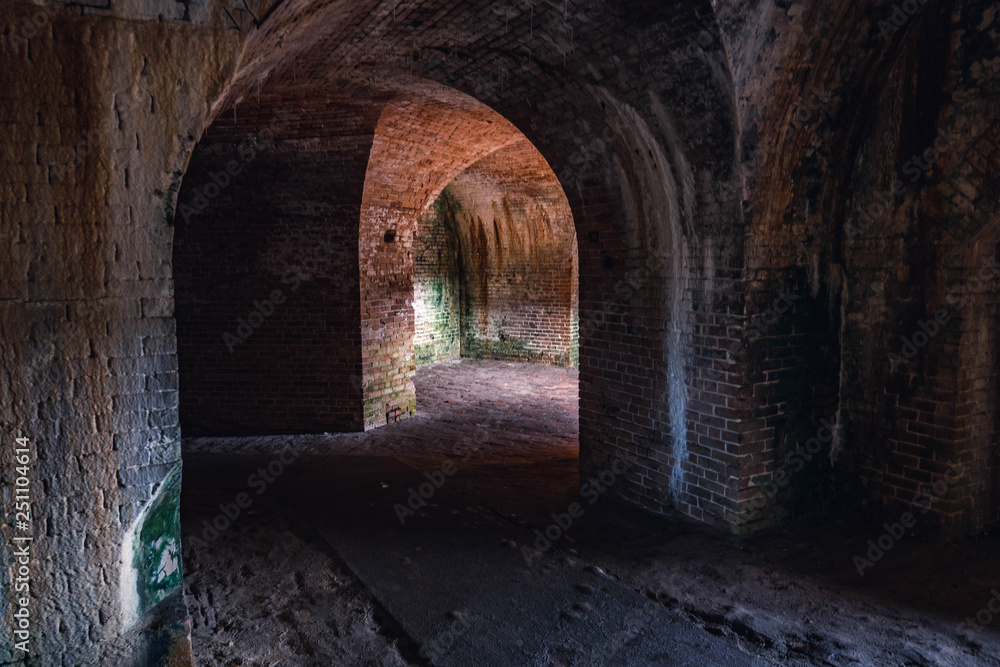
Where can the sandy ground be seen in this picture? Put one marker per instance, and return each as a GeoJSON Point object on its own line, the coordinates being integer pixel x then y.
{"type": "Point", "coordinates": [269, 591]}
{"type": "Point", "coordinates": [264, 594]}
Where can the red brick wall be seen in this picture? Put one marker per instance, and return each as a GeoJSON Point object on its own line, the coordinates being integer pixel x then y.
{"type": "Point", "coordinates": [876, 247]}
{"type": "Point", "coordinates": [514, 231]}
{"type": "Point", "coordinates": [928, 400]}
{"type": "Point", "coordinates": [437, 284]}
{"type": "Point", "coordinates": [421, 143]}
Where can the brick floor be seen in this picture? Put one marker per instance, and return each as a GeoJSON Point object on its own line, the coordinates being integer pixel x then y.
{"type": "Point", "coordinates": [521, 417]}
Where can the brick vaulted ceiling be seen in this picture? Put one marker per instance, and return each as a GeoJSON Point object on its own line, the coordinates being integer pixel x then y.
{"type": "Point", "coordinates": [427, 89]}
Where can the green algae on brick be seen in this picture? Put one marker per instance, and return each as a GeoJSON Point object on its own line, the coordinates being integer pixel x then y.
{"type": "Point", "coordinates": [158, 547]}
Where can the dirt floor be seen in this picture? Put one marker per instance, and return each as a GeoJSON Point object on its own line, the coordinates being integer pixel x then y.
{"type": "Point", "coordinates": [318, 570]}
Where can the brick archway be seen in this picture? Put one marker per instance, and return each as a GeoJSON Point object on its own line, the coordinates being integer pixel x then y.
{"type": "Point", "coordinates": [496, 265]}
{"type": "Point", "coordinates": [293, 250]}
{"type": "Point", "coordinates": [422, 143]}
{"type": "Point", "coordinates": [644, 201]}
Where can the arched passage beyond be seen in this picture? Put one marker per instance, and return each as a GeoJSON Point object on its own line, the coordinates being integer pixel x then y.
{"type": "Point", "coordinates": [643, 201]}
{"type": "Point", "coordinates": [425, 138]}
{"type": "Point", "coordinates": [294, 253]}
{"type": "Point", "coordinates": [495, 265]}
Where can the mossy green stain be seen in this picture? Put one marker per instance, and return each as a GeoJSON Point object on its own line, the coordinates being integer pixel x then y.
{"type": "Point", "coordinates": [425, 354]}
{"type": "Point", "coordinates": [158, 552]}
{"type": "Point", "coordinates": [441, 310]}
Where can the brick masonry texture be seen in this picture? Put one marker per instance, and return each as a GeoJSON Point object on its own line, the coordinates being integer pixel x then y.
{"type": "Point", "coordinates": [420, 145]}
{"type": "Point", "coordinates": [706, 180]}
{"type": "Point", "coordinates": [496, 271]}
{"type": "Point", "coordinates": [268, 308]}
{"type": "Point", "coordinates": [87, 336]}
{"type": "Point", "coordinates": [438, 280]}
{"type": "Point", "coordinates": [874, 245]}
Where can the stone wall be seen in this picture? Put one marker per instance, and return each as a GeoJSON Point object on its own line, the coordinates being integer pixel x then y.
{"type": "Point", "coordinates": [96, 135]}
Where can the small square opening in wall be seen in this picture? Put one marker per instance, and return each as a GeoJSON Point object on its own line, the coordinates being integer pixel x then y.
{"type": "Point", "coordinates": [593, 237]}
{"type": "Point", "coordinates": [390, 236]}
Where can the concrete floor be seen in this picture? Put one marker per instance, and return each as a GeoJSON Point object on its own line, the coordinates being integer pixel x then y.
{"type": "Point", "coordinates": [318, 568]}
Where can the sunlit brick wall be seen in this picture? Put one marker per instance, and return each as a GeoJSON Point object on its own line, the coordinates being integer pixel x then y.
{"type": "Point", "coordinates": [514, 234]}
{"type": "Point", "coordinates": [437, 285]}
{"type": "Point", "coordinates": [422, 142]}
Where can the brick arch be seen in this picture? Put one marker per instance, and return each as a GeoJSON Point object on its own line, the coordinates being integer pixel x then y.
{"type": "Point", "coordinates": [349, 168]}
{"type": "Point", "coordinates": [640, 151]}
{"type": "Point", "coordinates": [515, 266]}
{"type": "Point", "coordinates": [797, 121]}
{"type": "Point", "coordinates": [422, 141]}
